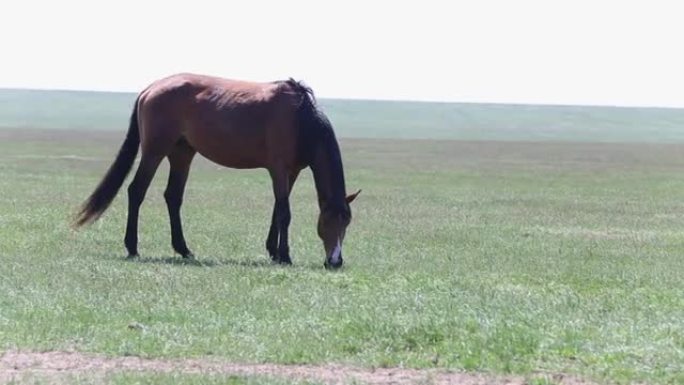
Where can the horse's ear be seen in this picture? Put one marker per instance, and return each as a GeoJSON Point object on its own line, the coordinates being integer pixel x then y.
{"type": "Point", "coordinates": [350, 198]}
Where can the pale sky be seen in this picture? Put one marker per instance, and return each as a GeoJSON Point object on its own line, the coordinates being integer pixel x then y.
{"type": "Point", "coordinates": [524, 51]}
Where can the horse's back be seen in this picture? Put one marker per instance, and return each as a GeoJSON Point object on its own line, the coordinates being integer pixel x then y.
{"type": "Point", "coordinates": [234, 123]}
{"type": "Point", "coordinates": [188, 92]}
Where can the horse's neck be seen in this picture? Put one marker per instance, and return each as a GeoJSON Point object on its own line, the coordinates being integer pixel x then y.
{"type": "Point", "coordinates": [328, 174]}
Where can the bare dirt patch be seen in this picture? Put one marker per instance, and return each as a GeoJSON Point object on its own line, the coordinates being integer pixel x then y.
{"type": "Point", "coordinates": [56, 367]}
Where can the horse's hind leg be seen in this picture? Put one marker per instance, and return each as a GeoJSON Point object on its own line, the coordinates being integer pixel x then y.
{"type": "Point", "coordinates": [136, 194]}
{"type": "Point", "coordinates": [179, 161]}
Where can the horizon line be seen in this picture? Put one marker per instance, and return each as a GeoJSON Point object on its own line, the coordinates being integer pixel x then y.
{"type": "Point", "coordinates": [366, 99]}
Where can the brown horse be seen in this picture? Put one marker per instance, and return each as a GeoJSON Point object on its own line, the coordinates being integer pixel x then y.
{"type": "Point", "coordinates": [276, 126]}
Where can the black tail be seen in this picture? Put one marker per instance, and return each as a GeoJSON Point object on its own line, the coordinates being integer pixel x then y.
{"type": "Point", "coordinates": [105, 192]}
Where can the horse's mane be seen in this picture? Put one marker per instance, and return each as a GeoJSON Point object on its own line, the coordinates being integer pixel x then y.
{"type": "Point", "coordinates": [303, 90]}
{"type": "Point", "coordinates": [316, 130]}
{"type": "Point", "coordinates": [314, 125]}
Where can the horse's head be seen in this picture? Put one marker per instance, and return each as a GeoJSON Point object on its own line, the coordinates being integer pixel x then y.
{"type": "Point", "coordinates": [332, 226]}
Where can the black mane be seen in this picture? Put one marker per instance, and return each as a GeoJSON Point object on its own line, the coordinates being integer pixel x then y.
{"type": "Point", "coordinates": [316, 134]}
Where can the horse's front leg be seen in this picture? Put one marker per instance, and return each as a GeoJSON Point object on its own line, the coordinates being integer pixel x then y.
{"type": "Point", "coordinates": [273, 241]}
{"type": "Point", "coordinates": [283, 214]}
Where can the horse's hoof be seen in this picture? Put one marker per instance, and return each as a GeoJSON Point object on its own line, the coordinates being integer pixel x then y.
{"type": "Point", "coordinates": [285, 261]}
{"type": "Point", "coordinates": [189, 256]}
{"type": "Point", "coordinates": [274, 256]}
{"type": "Point", "coordinates": [132, 256]}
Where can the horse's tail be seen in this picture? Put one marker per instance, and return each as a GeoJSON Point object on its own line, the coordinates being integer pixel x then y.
{"type": "Point", "coordinates": [105, 192]}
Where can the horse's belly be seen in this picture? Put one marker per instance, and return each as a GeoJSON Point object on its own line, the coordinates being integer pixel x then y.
{"type": "Point", "coordinates": [232, 160]}
{"type": "Point", "coordinates": [228, 149]}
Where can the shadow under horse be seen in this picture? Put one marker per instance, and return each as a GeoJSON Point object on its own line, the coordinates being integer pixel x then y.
{"type": "Point", "coordinates": [237, 124]}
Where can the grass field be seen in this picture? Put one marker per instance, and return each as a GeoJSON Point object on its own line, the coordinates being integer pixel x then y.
{"type": "Point", "coordinates": [487, 256]}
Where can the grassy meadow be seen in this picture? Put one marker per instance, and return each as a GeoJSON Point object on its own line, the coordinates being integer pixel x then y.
{"type": "Point", "coordinates": [506, 254]}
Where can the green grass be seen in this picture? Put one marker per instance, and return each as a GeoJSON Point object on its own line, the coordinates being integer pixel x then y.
{"type": "Point", "coordinates": [132, 378]}
{"type": "Point", "coordinates": [196, 379]}
{"type": "Point", "coordinates": [479, 256]}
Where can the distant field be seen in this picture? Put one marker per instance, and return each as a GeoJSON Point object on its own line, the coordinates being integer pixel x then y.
{"type": "Point", "coordinates": [380, 119]}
